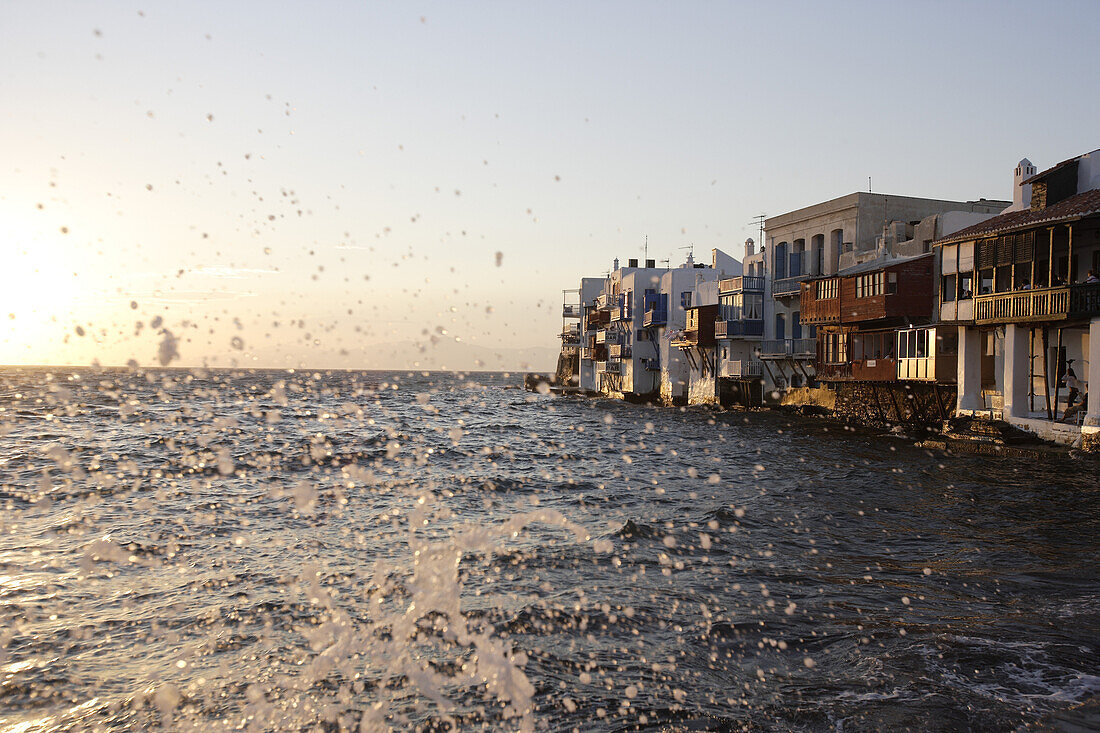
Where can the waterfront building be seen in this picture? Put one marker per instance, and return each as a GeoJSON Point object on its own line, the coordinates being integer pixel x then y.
{"type": "Point", "coordinates": [824, 240]}
{"type": "Point", "coordinates": [681, 288]}
{"type": "Point", "coordinates": [627, 322]}
{"type": "Point", "coordinates": [1017, 287]}
{"type": "Point", "coordinates": [697, 345]}
{"type": "Point", "coordinates": [743, 306]}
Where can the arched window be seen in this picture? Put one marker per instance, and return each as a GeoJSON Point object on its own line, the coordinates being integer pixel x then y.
{"type": "Point", "coordinates": [798, 258]}
{"type": "Point", "coordinates": [780, 261]}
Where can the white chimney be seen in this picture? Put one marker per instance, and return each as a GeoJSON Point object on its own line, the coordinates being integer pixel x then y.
{"type": "Point", "coordinates": [1021, 194]}
{"type": "Point", "coordinates": [750, 247]}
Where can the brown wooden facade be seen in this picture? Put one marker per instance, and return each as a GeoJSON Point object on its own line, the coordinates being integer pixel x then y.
{"type": "Point", "coordinates": [858, 315]}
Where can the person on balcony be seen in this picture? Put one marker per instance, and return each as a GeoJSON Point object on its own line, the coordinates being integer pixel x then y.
{"type": "Point", "coordinates": [1092, 278]}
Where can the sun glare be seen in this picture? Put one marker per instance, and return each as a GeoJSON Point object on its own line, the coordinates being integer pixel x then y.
{"type": "Point", "coordinates": [37, 290]}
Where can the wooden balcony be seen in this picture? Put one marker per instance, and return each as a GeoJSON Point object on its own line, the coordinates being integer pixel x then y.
{"type": "Point", "coordinates": [746, 284]}
{"type": "Point", "coordinates": [739, 329]}
{"type": "Point", "coordinates": [819, 312]}
{"type": "Point", "coordinates": [607, 337]}
{"type": "Point", "coordinates": [619, 351]}
{"type": "Point", "coordinates": [741, 369]}
{"type": "Point", "coordinates": [1043, 304]}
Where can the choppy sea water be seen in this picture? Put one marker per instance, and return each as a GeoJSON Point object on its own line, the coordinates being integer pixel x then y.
{"type": "Point", "coordinates": [369, 551]}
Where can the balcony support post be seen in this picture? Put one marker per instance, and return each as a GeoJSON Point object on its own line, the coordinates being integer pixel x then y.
{"type": "Point", "coordinates": [969, 369]}
{"type": "Point", "coordinates": [1015, 370]}
{"type": "Point", "coordinates": [1050, 261]}
{"type": "Point", "coordinates": [1092, 415]}
{"type": "Point", "coordinates": [1046, 371]}
{"type": "Point", "coordinates": [1057, 373]}
{"type": "Point", "coordinates": [1069, 258]}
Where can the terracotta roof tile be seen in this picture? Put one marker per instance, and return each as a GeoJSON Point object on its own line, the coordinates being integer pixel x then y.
{"type": "Point", "coordinates": [1075, 207]}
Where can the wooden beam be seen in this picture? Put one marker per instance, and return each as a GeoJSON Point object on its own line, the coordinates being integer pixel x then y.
{"type": "Point", "coordinates": [1046, 370]}
{"type": "Point", "coordinates": [939, 401]}
{"type": "Point", "coordinates": [1069, 258]}
{"type": "Point", "coordinates": [1050, 262]}
{"type": "Point", "coordinates": [1057, 375]}
{"type": "Point", "coordinates": [894, 401]}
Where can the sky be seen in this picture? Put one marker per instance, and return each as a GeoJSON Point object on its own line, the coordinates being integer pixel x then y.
{"type": "Point", "coordinates": [400, 185]}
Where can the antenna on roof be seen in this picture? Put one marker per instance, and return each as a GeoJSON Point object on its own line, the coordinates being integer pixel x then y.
{"type": "Point", "coordinates": [868, 184]}
{"type": "Point", "coordinates": [758, 220]}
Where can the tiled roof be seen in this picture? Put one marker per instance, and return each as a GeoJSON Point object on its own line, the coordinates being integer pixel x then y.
{"type": "Point", "coordinates": [1075, 207]}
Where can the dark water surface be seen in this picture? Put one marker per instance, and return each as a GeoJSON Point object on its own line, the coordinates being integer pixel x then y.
{"type": "Point", "coordinates": [363, 551]}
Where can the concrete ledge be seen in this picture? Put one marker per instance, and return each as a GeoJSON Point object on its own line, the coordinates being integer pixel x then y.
{"type": "Point", "coordinates": [1060, 433]}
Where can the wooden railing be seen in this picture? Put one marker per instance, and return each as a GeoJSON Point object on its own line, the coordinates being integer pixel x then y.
{"type": "Point", "coordinates": [747, 283]}
{"type": "Point", "coordinates": [741, 369]}
{"type": "Point", "coordinates": [1022, 305]}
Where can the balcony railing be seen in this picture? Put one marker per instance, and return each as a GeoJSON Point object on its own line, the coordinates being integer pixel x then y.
{"type": "Point", "coordinates": [571, 334]}
{"type": "Point", "coordinates": [619, 351]}
{"type": "Point", "coordinates": [607, 337]}
{"type": "Point", "coordinates": [1038, 305]}
{"type": "Point", "coordinates": [655, 317]}
{"type": "Point", "coordinates": [570, 311]}
{"type": "Point", "coordinates": [748, 284]}
{"type": "Point", "coordinates": [651, 365]}
{"type": "Point", "coordinates": [741, 369]}
{"type": "Point", "coordinates": [738, 329]}
{"type": "Point", "coordinates": [788, 349]}
{"type": "Point", "coordinates": [609, 367]}
{"type": "Point", "coordinates": [604, 301]}
{"type": "Point", "coordinates": [788, 285]}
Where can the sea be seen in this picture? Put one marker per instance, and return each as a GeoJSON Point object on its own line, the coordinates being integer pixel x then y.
{"type": "Point", "coordinates": [208, 550]}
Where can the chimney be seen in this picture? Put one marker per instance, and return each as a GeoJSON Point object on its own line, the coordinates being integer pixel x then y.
{"type": "Point", "coordinates": [632, 262]}
{"type": "Point", "coordinates": [651, 263]}
{"type": "Point", "coordinates": [750, 247]}
{"type": "Point", "coordinates": [615, 265]}
{"type": "Point", "coordinates": [1021, 194]}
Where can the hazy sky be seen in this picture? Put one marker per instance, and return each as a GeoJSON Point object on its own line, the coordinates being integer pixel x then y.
{"type": "Point", "coordinates": [318, 184]}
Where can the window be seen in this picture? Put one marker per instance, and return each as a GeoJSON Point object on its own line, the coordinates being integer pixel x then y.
{"type": "Point", "coordinates": [869, 285]}
{"type": "Point", "coordinates": [891, 283]}
{"type": "Point", "coordinates": [947, 288]}
{"type": "Point", "coordinates": [685, 299]}
{"type": "Point", "coordinates": [826, 289]}
{"type": "Point", "coordinates": [986, 280]}
{"type": "Point", "coordinates": [836, 348]}
{"type": "Point", "coordinates": [966, 285]}
{"type": "Point", "coordinates": [643, 335]}
{"type": "Point", "coordinates": [752, 306]}
{"type": "Point", "coordinates": [780, 261]}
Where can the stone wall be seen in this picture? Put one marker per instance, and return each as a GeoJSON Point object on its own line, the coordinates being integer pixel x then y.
{"type": "Point", "coordinates": [909, 404]}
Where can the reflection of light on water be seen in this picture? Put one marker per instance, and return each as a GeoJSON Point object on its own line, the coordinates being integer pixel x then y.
{"type": "Point", "coordinates": [47, 722]}
{"type": "Point", "coordinates": [12, 583]}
